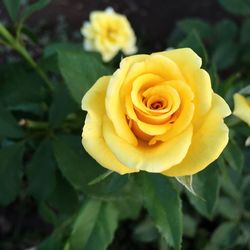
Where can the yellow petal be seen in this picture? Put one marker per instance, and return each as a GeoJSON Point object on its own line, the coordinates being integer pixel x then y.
{"type": "Point", "coordinates": [144, 125]}
{"type": "Point", "coordinates": [184, 116]}
{"type": "Point", "coordinates": [92, 135]}
{"type": "Point", "coordinates": [155, 64]}
{"type": "Point", "coordinates": [242, 108]}
{"type": "Point", "coordinates": [114, 104]}
{"type": "Point", "coordinates": [198, 79]}
{"type": "Point", "coordinates": [182, 56]}
{"type": "Point", "coordinates": [155, 158]}
{"type": "Point", "coordinates": [207, 143]}
{"type": "Point", "coordinates": [141, 83]}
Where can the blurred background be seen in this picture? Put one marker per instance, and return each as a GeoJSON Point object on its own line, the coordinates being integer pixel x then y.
{"type": "Point", "coordinates": [152, 20]}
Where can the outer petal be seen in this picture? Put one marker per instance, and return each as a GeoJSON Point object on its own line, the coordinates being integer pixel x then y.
{"type": "Point", "coordinates": [242, 108]}
{"type": "Point", "coordinates": [207, 143]}
{"type": "Point", "coordinates": [92, 135]}
{"type": "Point", "coordinates": [155, 158]}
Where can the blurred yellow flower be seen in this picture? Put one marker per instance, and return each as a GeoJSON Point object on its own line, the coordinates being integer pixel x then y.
{"type": "Point", "coordinates": [242, 108]}
{"type": "Point", "coordinates": [108, 32]}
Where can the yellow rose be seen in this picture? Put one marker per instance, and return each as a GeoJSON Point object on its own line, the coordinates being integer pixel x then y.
{"type": "Point", "coordinates": [242, 108]}
{"type": "Point", "coordinates": [108, 32]}
{"type": "Point", "coordinates": [156, 113]}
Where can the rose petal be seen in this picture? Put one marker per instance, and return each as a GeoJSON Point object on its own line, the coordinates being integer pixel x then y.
{"type": "Point", "coordinates": [114, 106]}
{"type": "Point", "coordinates": [207, 143]}
{"type": "Point", "coordinates": [92, 136]}
{"type": "Point", "coordinates": [198, 79]}
{"type": "Point", "coordinates": [242, 108]}
{"type": "Point", "coordinates": [155, 158]}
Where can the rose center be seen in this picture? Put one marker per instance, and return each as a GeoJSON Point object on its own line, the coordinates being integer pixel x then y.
{"type": "Point", "coordinates": [156, 105]}
{"type": "Point", "coordinates": [155, 102]}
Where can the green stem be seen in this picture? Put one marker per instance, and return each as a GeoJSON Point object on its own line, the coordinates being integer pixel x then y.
{"type": "Point", "coordinates": [36, 125]}
{"type": "Point", "coordinates": [16, 45]}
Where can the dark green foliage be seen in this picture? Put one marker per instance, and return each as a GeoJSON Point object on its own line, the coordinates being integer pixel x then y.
{"type": "Point", "coordinates": [86, 206]}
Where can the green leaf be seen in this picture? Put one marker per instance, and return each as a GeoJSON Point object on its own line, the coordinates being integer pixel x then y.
{"type": "Point", "coordinates": [224, 237]}
{"type": "Point", "coordinates": [95, 226]}
{"type": "Point", "coordinates": [238, 7]}
{"type": "Point", "coordinates": [146, 231]}
{"type": "Point", "coordinates": [225, 31]}
{"type": "Point", "coordinates": [232, 211]}
{"type": "Point", "coordinates": [164, 206]}
{"type": "Point", "coordinates": [244, 33]}
{"type": "Point", "coordinates": [193, 41]}
{"type": "Point", "coordinates": [233, 155]}
{"type": "Point", "coordinates": [80, 71]}
{"type": "Point", "coordinates": [128, 207]}
{"type": "Point", "coordinates": [225, 55]}
{"type": "Point", "coordinates": [195, 24]}
{"type": "Point", "coordinates": [206, 185]}
{"type": "Point", "coordinates": [80, 169]}
{"type": "Point", "coordinates": [62, 105]}
{"type": "Point", "coordinates": [53, 242]}
{"type": "Point", "coordinates": [48, 214]}
{"type": "Point", "coordinates": [30, 9]}
{"type": "Point", "coordinates": [53, 48]}
{"type": "Point", "coordinates": [101, 177]}
{"type": "Point", "coordinates": [10, 172]}
{"type": "Point", "coordinates": [12, 7]}
{"type": "Point", "coordinates": [77, 167]}
{"type": "Point", "coordinates": [189, 226]}
{"type": "Point", "coordinates": [42, 167]}
{"type": "Point", "coordinates": [20, 87]}
{"type": "Point", "coordinates": [64, 198]}
{"type": "Point", "coordinates": [8, 125]}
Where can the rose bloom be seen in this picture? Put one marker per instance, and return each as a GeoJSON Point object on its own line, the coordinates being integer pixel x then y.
{"type": "Point", "coordinates": [242, 108]}
{"type": "Point", "coordinates": [156, 113]}
{"type": "Point", "coordinates": [108, 32]}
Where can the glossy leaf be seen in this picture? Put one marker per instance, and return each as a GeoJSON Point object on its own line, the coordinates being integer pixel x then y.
{"type": "Point", "coordinates": [225, 55]}
{"type": "Point", "coordinates": [75, 166]}
{"type": "Point", "coordinates": [20, 88]}
{"type": "Point", "coordinates": [224, 237]}
{"type": "Point", "coordinates": [80, 71]}
{"type": "Point", "coordinates": [32, 8]}
{"type": "Point", "coordinates": [240, 7]}
{"type": "Point", "coordinates": [42, 167]}
{"type": "Point", "coordinates": [53, 242]}
{"type": "Point", "coordinates": [95, 226]}
{"type": "Point", "coordinates": [244, 33]}
{"type": "Point", "coordinates": [10, 172]}
{"type": "Point", "coordinates": [80, 169]}
{"type": "Point", "coordinates": [225, 31]}
{"type": "Point", "coordinates": [206, 184]}
{"type": "Point", "coordinates": [233, 155]}
{"type": "Point", "coordinates": [62, 105]}
{"type": "Point", "coordinates": [64, 198]}
{"type": "Point", "coordinates": [164, 206]}
{"type": "Point", "coordinates": [12, 7]}
{"type": "Point", "coordinates": [8, 124]}
{"type": "Point", "coordinates": [195, 24]}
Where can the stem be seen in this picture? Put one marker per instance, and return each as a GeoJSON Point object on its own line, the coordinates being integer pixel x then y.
{"type": "Point", "coordinates": [36, 125]}
{"type": "Point", "coordinates": [16, 45]}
